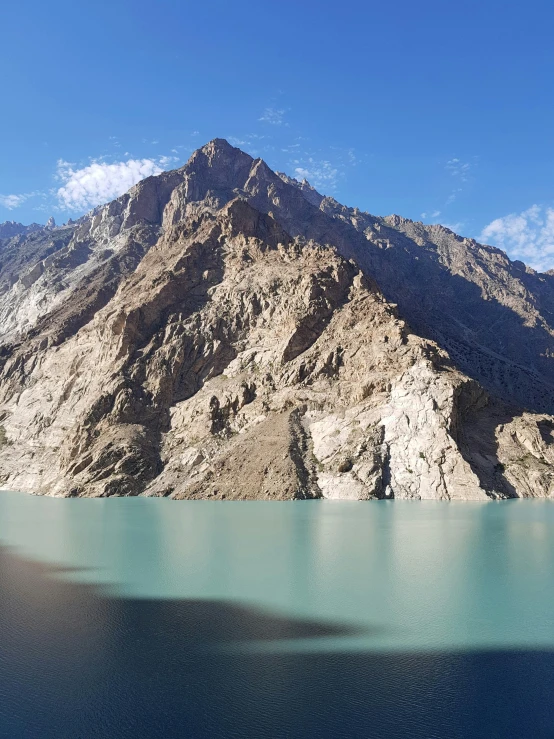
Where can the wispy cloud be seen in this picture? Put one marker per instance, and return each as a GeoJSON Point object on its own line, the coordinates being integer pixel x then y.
{"type": "Point", "coordinates": [352, 157]}
{"type": "Point", "coordinates": [167, 162]}
{"type": "Point", "coordinates": [99, 181]}
{"type": "Point", "coordinates": [11, 202]}
{"type": "Point", "coordinates": [462, 172]}
{"type": "Point", "coordinates": [453, 195]}
{"type": "Point", "coordinates": [433, 219]}
{"type": "Point", "coordinates": [458, 168]}
{"type": "Point", "coordinates": [528, 236]}
{"type": "Point", "coordinates": [348, 155]}
{"type": "Point", "coordinates": [274, 116]}
{"type": "Point", "coordinates": [248, 139]}
{"type": "Point", "coordinates": [456, 227]}
{"type": "Point", "coordinates": [323, 168]}
{"type": "Point", "coordinates": [319, 173]}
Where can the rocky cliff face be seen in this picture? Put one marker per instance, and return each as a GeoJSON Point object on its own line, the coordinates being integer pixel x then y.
{"type": "Point", "coordinates": [224, 331]}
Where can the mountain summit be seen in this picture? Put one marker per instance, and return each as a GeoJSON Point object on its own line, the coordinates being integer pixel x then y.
{"type": "Point", "coordinates": [225, 331]}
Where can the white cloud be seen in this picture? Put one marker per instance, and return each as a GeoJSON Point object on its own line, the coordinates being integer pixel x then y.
{"type": "Point", "coordinates": [324, 169]}
{"type": "Point", "coordinates": [456, 227]}
{"type": "Point", "coordinates": [527, 236]}
{"type": "Point", "coordinates": [320, 173]}
{"type": "Point", "coordinates": [15, 201]}
{"type": "Point", "coordinates": [100, 182]}
{"type": "Point", "coordinates": [434, 214]}
{"type": "Point", "coordinates": [275, 116]}
{"type": "Point", "coordinates": [166, 162]}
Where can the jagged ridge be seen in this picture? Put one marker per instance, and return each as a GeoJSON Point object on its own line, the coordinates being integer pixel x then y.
{"type": "Point", "coordinates": [223, 318]}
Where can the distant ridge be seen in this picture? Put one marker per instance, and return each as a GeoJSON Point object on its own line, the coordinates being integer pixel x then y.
{"type": "Point", "coordinates": [8, 229]}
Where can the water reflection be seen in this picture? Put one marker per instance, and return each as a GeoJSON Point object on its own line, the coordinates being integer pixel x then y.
{"type": "Point", "coordinates": [426, 576]}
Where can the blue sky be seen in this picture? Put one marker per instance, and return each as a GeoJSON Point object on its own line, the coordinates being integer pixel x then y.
{"type": "Point", "coordinates": [437, 108]}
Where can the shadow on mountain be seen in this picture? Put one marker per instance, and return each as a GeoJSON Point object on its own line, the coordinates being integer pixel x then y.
{"type": "Point", "coordinates": [486, 339]}
{"type": "Point", "coordinates": [491, 343]}
{"type": "Point", "coordinates": [478, 444]}
{"type": "Point", "coordinates": [77, 663]}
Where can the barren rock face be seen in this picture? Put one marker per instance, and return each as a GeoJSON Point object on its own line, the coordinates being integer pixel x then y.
{"type": "Point", "coordinates": [220, 331]}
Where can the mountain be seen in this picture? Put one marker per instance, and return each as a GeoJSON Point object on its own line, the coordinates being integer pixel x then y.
{"type": "Point", "coordinates": [224, 331]}
{"type": "Point", "coordinates": [9, 229]}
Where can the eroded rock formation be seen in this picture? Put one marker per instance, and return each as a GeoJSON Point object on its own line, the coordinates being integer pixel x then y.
{"type": "Point", "coordinates": [223, 331]}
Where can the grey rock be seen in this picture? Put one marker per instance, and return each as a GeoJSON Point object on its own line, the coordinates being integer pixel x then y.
{"type": "Point", "coordinates": [222, 331]}
{"type": "Point", "coordinates": [9, 229]}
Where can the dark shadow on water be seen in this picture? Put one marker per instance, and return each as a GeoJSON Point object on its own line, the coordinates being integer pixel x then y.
{"type": "Point", "coordinates": [75, 663]}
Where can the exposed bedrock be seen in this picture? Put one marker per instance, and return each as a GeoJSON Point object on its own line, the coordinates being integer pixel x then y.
{"type": "Point", "coordinates": [225, 332]}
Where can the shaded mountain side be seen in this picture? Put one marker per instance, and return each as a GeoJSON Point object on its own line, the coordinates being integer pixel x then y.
{"type": "Point", "coordinates": [220, 331]}
{"type": "Point", "coordinates": [493, 316]}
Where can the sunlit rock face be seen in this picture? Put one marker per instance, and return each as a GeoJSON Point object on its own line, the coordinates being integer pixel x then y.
{"type": "Point", "coordinates": [223, 331]}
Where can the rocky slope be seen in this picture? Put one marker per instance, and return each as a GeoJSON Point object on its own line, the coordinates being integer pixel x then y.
{"type": "Point", "coordinates": [224, 331]}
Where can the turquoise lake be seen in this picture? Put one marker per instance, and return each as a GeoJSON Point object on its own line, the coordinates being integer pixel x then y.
{"type": "Point", "coordinates": [149, 617]}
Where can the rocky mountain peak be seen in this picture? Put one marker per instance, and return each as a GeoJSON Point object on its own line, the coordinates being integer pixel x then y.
{"type": "Point", "coordinates": [225, 331]}
{"type": "Point", "coordinates": [221, 158]}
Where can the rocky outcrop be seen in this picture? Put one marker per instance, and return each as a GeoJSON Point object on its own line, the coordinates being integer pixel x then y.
{"type": "Point", "coordinates": [218, 332]}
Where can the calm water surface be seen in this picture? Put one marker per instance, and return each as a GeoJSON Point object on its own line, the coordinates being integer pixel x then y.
{"type": "Point", "coordinates": [155, 618]}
